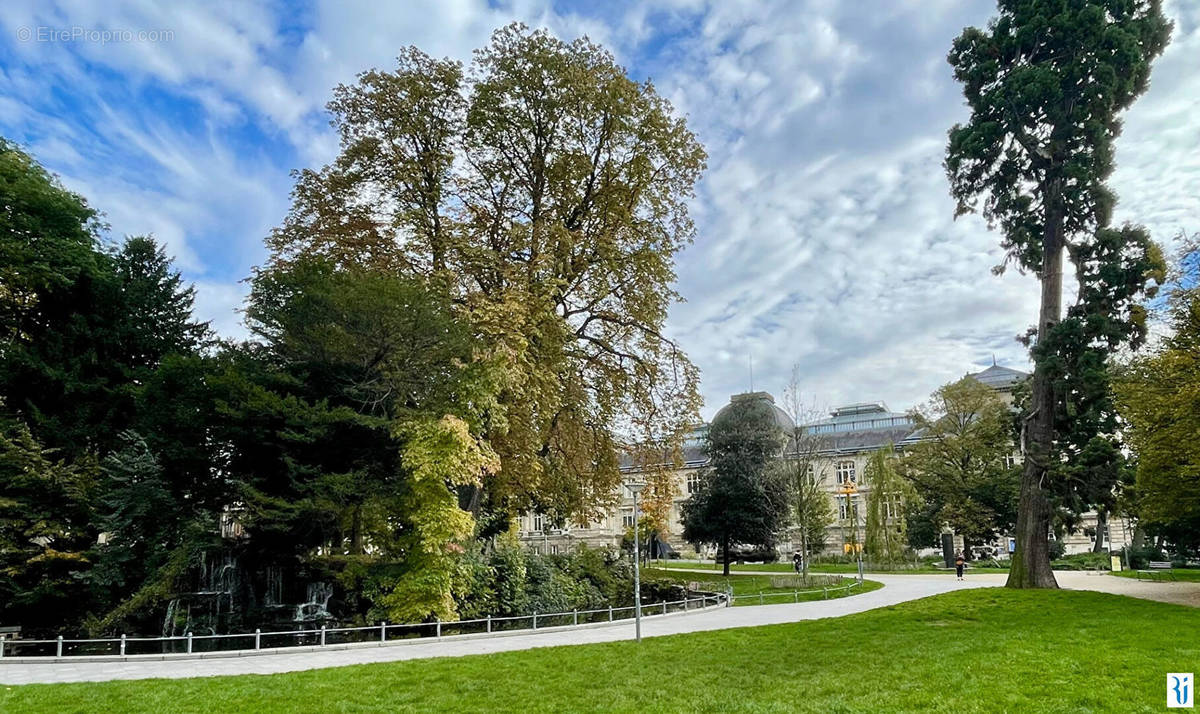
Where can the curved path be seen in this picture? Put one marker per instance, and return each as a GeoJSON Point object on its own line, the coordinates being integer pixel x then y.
{"type": "Point", "coordinates": [898, 589]}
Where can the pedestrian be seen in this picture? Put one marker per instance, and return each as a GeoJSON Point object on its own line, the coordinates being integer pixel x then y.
{"type": "Point", "coordinates": [959, 564]}
{"type": "Point", "coordinates": [798, 561]}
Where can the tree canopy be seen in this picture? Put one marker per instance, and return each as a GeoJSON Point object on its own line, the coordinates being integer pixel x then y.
{"type": "Point", "coordinates": [546, 193]}
{"type": "Point", "coordinates": [961, 466]}
{"type": "Point", "coordinates": [743, 494]}
{"type": "Point", "coordinates": [1046, 82]}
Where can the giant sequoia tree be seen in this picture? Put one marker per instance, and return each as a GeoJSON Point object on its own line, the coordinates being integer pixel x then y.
{"type": "Point", "coordinates": [1045, 83]}
{"type": "Point", "coordinates": [546, 192]}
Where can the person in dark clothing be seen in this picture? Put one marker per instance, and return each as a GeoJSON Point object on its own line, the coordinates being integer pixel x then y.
{"type": "Point", "coordinates": [798, 561]}
{"type": "Point", "coordinates": [959, 564]}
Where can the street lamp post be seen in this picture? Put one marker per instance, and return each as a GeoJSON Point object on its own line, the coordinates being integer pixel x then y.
{"type": "Point", "coordinates": [635, 489]}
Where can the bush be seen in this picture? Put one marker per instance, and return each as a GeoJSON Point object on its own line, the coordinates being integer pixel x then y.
{"type": "Point", "coordinates": [1082, 561]}
{"type": "Point", "coordinates": [1139, 558]}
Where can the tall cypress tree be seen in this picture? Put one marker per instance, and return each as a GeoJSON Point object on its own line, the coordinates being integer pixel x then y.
{"type": "Point", "coordinates": [1046, 82]}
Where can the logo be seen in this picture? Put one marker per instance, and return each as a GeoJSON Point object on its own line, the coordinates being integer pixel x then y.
{"type": "Point", "coordinates": [1179, 690]}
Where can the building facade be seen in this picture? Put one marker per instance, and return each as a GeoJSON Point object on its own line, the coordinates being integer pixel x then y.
{"type": "Point", "coordinates": [837, 449]}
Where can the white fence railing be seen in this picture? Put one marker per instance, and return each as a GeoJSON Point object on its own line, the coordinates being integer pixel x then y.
{"type": "Point", "coordinates": [762, 597]}
{"type": "Point", "coordinates": [124, 646]}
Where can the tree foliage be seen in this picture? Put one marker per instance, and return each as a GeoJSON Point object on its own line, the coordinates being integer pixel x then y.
{"type": "Point", "coordinates": [743, 495]}
{"type": "Point", "coordinates": [886, 536]}
{"type": "Point", "coordinates": [1159, 397]}
{"type": "Point", "coordinates": [1045, 83]}
{"type": "Point", "coordinates": [547, 192]}
{"type": "Point", "coordinates": [958, 466]}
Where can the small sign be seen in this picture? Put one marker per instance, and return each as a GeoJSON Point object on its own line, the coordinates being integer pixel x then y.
{"type": "Point", "coordinates": [1179, 690]}
{"type": "Point", "coordinates": [1116, 563]}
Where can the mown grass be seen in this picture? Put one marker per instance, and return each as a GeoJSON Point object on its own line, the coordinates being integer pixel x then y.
{"type": "Point", "coordinates": [747, 588]}
{"type": "Point", "coordinates": [832, 568]}
{"type": "Point", "coordinates": [987, 650]}
{"type": "Point", "coordinates": [1178, 574]}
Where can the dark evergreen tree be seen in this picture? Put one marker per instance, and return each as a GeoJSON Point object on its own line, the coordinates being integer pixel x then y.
{"type": "Point", "coordinates": [1046, 82]}
{"type": "Point", "coordinates": [743, 498]}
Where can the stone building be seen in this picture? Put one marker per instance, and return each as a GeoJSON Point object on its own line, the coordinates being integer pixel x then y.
{"type": "Point", "coordinates": [838, 448]}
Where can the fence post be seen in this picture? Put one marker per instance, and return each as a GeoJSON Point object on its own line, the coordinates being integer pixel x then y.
{"type": "Point", "coordinates": [574, 617]}
{"type": "Point", "coordinates": [2, 638]}
{"type": "Point", "coordinates": [257, 638]}
{"type": "Point", "coordinates": [760, 597]}
{"type": "Point", "coordinates": [58, 647]}
{"type": "Point", "coordinates": [122, 644]}
{"type": "Point", "coordinates": [610, 613]}
{"type": "Point", "coordinates": [189, 638]}
{"type": "Point", "coordinates": [535, 619]}
{"type": "Point", "coordinates": [825, 593]}
{"type": "Point", "coordinates": [383, 631]}
{"type": "Point", "coordinates": [796, 595]}
{"type": "Point", "coordinates": [322, 635]}
{"type": "Point", "coordinates": [439, 627]}
{"type": "Point", "coordinates": [489, 620]}
{"type": "Point", "coordinates": [664, 607]}
{"type": "Point", "coordinates": [685, 603]}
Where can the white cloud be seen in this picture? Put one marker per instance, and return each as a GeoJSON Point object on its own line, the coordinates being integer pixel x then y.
{"type": "Point", "coordinates": [826, 235]}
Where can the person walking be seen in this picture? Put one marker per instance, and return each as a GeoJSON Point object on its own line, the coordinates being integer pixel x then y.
{"type": "Point", "coordinates": [959, 564]}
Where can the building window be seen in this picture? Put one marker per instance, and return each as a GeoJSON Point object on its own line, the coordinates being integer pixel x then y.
{"type": "Point", "coordinates": [893, 506]}
{"type": "Point", "coordinates": [539, 522]}
{"type": "Point", "coordinates": [1010, 460]}
{"type": "Point", "coordinates": [693, 482]}
{"type": "Point", "coordinates": [846, 505]}
{"type": "Point", "coordinates": [845, 472]}
{"type": "Point", "coordinates": [627, 519]}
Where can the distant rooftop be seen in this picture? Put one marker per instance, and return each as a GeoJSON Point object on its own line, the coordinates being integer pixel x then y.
{"type": "Point", "coordinates": [1002, 379]}
{"type": "Point", "coordinates": [860, 416]}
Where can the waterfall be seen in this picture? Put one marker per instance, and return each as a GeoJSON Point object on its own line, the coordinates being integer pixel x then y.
{"type": "Point", "coordinates": [317, 605]}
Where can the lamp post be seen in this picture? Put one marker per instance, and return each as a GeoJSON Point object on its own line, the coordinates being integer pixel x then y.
{"type": "Point", "coordinates": [635, 489]}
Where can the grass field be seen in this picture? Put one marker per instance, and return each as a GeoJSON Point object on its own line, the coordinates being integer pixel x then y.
{"type": "Point", "coordinates": [1190, 575]}
{"type": "Point", "coordinates": [746, 587]}
{"type": "Point", "coordinates": [833, 568]}
{"type": "Point", "coordinates": [990, 650]}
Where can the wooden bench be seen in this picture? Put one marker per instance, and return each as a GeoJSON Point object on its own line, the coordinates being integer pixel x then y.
{"type": "Point", "coordinates": [1157, 566]}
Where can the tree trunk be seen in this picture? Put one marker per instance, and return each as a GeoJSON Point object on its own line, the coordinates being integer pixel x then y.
{"type": "Point", "coordinates": [1101, 527]}
{"type": "Point", "coordinates": [726, 556]}
{"type": "Point", "coordinates": [1031, 563]}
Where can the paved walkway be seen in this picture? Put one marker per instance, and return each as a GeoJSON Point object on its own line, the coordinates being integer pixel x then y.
{"type": "Point", "coordinates": [898, 589]}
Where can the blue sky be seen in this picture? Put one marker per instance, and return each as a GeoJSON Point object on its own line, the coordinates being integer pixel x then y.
{"type": "Point", "coordinates": [826, 236]}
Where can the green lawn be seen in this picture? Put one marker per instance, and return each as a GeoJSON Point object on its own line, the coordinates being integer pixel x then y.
{"type": "Point", "coordinates": [835, 568]}
{"type": "Point", "coordinates": [1190, 575]}
{"type": "Point", "coordinates": [992, 650]}
{"type": "Point", "coordinates": [746, 587]}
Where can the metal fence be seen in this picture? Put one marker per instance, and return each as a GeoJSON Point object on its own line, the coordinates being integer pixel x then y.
{"type": "Point", "coordinates": [124, 645]}
{"type": "Point", "coordinates": [762, 597]}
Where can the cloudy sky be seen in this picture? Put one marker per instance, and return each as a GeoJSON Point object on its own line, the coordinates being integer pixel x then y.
{"type": "Point", "coordinates": [826, 234]}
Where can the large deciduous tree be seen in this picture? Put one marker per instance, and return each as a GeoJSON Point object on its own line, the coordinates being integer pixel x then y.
{"type": "Point", "coordinates": [1159, 397]}
{"type": "Point", "coordinates": [1045, 83]}
{"type": "Point", "coordinates": [958, 466]}
{"type": "Point", "coordinates": [546, 192]}
{"type": "Point", "coordinates": [743, 495]}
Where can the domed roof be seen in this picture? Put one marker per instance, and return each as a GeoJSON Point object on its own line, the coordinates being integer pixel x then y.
{"type": "Point", "coordinates": [781, 417]}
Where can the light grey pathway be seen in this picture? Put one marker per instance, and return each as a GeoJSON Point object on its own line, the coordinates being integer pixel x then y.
{"type": "Point", "coordinates": [897, 589]}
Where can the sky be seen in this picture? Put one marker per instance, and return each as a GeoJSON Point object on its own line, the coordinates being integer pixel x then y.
{"type": "Point", "coordinates": [826, 240]}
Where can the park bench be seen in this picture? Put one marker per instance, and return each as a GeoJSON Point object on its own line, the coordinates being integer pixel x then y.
{"type": "Point", "coordinates": [1157, 566]}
